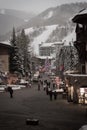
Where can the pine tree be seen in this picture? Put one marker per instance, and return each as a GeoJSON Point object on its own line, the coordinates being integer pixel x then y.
{"type": "Point", "coordinates": [67, 57]}
{"type": "Point", "coordinates": [14, 55]}
{"type": "Point", "coordinates": [23, 43]}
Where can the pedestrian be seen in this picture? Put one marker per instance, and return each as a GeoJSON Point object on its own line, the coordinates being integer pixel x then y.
{"type": "Point", "coordinates": [54, 85]}
{"type": "Point", "coordinates": [55, 95]}
{"type": "Point", "coordinates": [48, 84]}
{"type": "Point", "coordinates": [38, 85]}
{"type": "Point", "coordinates": [47, 90]}
{"type": "Point", "coordinates": [41, 82]}
{"type": "Point", "coordinates": [51, 95]}
{"type": "Point", "coordinates": [45, 81]}
{"type": "Point", "coordinates": [10, 90]}
{"type": "Point", "coordinates": [44, 86]}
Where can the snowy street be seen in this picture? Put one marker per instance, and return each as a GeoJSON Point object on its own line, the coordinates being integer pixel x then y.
{"type": "Point", "coordinates": [31, 103]}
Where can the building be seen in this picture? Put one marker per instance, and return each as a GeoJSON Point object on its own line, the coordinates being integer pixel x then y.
{"type": "Point", "coordinates": [4, 56]}
{"type": "Point", "coordinates": [77, 83]}
{"type": "Point", "coordinates": [46, 49]}
{"type": "Point", "coordinates": [49, 51]}
{"type": "Point", "coordinates": [81, 38]}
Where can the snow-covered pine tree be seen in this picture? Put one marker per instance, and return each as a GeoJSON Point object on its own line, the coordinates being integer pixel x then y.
{"type": "Point", "coordinates": [23, 43]}
{"type": "Point", "coordinates": [15, 63]}
{"type": "Point", "coordinates": [67, 57]}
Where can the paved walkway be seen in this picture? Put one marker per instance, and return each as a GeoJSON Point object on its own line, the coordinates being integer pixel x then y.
{"type": "Point", "coordinates": [31, 103]}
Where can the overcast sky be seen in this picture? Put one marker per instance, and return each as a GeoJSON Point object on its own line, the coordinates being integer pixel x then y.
{"type": "Point", "coordinates": [34, 5]}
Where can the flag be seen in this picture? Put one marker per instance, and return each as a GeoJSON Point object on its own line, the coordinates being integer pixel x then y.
{"type": "Point", "coordinates": [47, 64]}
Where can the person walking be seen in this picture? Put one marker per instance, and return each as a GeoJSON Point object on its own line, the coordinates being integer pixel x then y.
{"type": "Point", "coordinates": [10, 90]}
{"type": "Point", "coordinates": [38, 85]}
{"type": "Point", "coordinates": [50, 94]}
{"type": "Point", "coordinates": [55, 95]}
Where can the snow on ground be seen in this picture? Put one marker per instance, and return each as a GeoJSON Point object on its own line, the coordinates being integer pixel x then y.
{"type": "Point", "coordinates": [14, 87]}
{"type": "Point", "coordinates": [71, 37]}
{"type": "Point", "coordinates": [42, 38]}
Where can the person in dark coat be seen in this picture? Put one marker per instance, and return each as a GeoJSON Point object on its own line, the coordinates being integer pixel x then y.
{"type": "Point", "coordinates": [55, 95]}
{"type": "Point", "coordinates": [10, 90]}
{"type": "Point", "coordinates": [51, 95]}
{"type": "Point", "coordinates": [47, 90]}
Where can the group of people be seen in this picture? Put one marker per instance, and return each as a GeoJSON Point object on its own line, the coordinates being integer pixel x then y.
{"type": "Point", "coordinates": [49, 87]}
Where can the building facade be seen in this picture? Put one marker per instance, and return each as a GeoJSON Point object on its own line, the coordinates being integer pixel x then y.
{"type": "Point", "coordinates": [4, 56]}
{"type": "Point", "coordinates": [79, 81]}
{"type": "Point", "coordinates": [50, 51]}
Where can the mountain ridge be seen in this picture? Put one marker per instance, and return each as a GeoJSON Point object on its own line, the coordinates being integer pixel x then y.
{"type": "Point", "coordinates": [59, 15]}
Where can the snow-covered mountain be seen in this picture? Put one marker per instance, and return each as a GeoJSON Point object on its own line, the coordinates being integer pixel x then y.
{"type": "Point", "coordinates": [42, 37]}
{"type": "Point", "coordinates": [57, 15]}
{"type": "Point", "coordinates": [44, 33]}
{"type": "Point", "coordinates": [54, 24]}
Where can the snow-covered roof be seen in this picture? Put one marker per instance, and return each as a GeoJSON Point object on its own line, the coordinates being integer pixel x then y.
{"type": "Point", "coordinates": [79, 75]}
{"type": "Point", "coordinates": [83, 12]}
{"type": "Point", "coordinates": [5, 43]}
{"type": "Point", "coordinates": [50, 44]}
{"type": "Point", "coordinates": [59, 43]}
{"type": "Point", "coordinates": [71, 72]}
{"type": "Point", "coordinates": [45, 57]}
{"type": "Point", "coordinates": [46, 44]}
{"type": "Point", "coordinates": [80, 17]}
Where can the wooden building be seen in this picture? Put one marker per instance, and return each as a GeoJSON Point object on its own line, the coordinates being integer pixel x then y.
{"type": "Point", "coordinates": [81, 38]}
{"type": "Point", "coordinates": [77, 83]}
{"type": "Point", "coordinates": [4, 56]}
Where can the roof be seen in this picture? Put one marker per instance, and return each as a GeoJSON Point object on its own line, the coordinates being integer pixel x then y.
{"type": "Point", "coordinates": [81, 17]}
{"type": "Point", "coordinates": [46, 44]}
{"type": "Point", "coordinates": [5, 44]}
{"type": "Point", "coordinates": [84, 11]}
{"type": "Point", "coordinates": [50, 44]}
{"type": "Point", "coordinates": [45, 57]}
